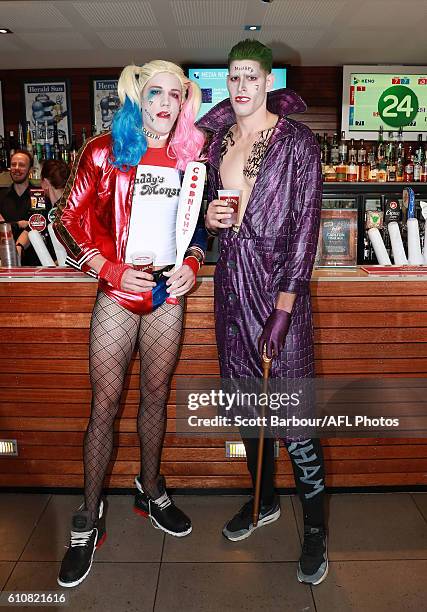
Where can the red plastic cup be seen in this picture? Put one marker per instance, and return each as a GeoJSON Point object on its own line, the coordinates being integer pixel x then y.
{"type": "Point", "coordinates": [143, 261]}
{"type": "Point", "coordinates": [232, 198]}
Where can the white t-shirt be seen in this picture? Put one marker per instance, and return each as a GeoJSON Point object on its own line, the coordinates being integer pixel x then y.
{"type": "Point", "coordinates": [153, 215]}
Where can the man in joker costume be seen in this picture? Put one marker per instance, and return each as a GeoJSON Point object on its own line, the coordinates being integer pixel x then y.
{"type": "Point", "coordinates": [262, 278]}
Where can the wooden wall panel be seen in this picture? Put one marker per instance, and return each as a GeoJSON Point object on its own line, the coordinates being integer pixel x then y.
{"type": "Point", "coordinates": [360, 328]}
{"type": "Point", "coordinates": [319, 86]}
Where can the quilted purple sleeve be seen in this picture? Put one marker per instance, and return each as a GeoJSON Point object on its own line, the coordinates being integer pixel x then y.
{"type": "Point", "coordinates": [306, 215]}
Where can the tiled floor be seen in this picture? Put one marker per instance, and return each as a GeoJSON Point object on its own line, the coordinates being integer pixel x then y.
{"type": "Point", "coordinates": [377, 548]}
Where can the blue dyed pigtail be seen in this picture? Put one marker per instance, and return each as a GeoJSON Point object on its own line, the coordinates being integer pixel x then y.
{"type": "Point", "coordinates": [129, 142]}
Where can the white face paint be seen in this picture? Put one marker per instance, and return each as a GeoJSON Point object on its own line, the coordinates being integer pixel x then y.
{"type": "Point", "coordinates": [247, 85]}
{"type": "Point", "coordinates": [161, 103]}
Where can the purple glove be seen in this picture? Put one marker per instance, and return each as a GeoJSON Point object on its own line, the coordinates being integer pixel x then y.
{"type": "Point", "coordinates": [274, 332]}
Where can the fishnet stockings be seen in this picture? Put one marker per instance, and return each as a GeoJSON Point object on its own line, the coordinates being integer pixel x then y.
{"type": "Point", "coordinates": [114, 332]}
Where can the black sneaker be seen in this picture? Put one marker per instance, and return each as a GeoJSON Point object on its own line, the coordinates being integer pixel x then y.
{"type": "Point", "coordinates": [86, 537]}
{"type": "Point", "coordinates": [162, 511]}
{"type": "Point", "coordinates": [313, 563]}
{"type": "Point", "coordinates": [241, 526]}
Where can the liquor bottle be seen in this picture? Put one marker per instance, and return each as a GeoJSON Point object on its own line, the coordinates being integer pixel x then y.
{"type": "Point", "coordinates": [363, 167]}
{"type": "Point", "coordinates": [325, 149]}
{"type": "Point", "coordinates": [409, 166]}
{"type": "Point", "coordinates": [335, 152]}
{"type": "Point", "coordinates": [47, 149]}
{"type": "Point", "coordinates": [400, 169]}
{"type": "Point", "coordinates": [343, 148]}
{"type": "Point", "coordinates": [391, 170]}
{"type": "Point", "coordinates": [419, 153]}
{"type": "Point", "coordinates": [36, 170]}
{"type": "Point", "coordinates": [341, 170]}
{"type": "Point", "coordinates": [84, 137]}
{"type": "Point", "coordinates": [382, 171]}
{"type": "Point", "coordinates": [361, 153]}
{"type": "Point", "coordinates": [3, 155]}
{"type": "Point", "coordinates": [73, 149]}
{"type": "Point", "coordinates": [418, 160]}
{"type": "Point", "coordinates": [373, 166]}
{"type": "Point", "coordinates": [352, 170]}
{"type": "Point", "coordinates": [390, 149]}
{"type": "Point", "coordinates": [65, 153]}
{"type": "Point", "coordinates": [29, 144]}
{"type": "Point", "coordinates": [21, 142]}
{"type": "Point", "coordinates": [56, 153]}
{"type": "Point", "coordinates": [352, 152]}
{"type": "Point", "coordinates": [424, 168]}
{"type": "Point", "coordinates": [381, 147]}
{"type": "Point", "coordinates": [12, 144]}
{"type": "Point", "coordinates": [38, 142]}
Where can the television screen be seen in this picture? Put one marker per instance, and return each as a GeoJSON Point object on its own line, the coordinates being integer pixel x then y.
{"type": "Point", "coordinates": [388, 96]}
{"type": "Point", "coordinates": [213, 83]}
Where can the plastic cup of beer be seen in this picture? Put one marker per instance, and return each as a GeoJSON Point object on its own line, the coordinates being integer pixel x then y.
{"type": "Point", "coordinates": [143, 261]}
{"type": "Point", "coordinates": [232, 198]}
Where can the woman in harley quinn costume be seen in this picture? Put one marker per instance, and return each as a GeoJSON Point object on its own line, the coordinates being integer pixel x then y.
{"type": "Point", "coordinates": [122, 197]}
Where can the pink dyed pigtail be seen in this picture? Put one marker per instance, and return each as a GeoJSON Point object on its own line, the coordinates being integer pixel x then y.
{"type": "Point", "coordinates": [187, 141]}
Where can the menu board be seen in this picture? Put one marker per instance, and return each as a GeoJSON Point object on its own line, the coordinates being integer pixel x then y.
{"type": "Point", "coordinates": [394, 97]}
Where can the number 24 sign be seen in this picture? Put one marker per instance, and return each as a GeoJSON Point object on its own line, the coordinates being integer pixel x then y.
{"type": "Point", "coordinates": [398, 106]}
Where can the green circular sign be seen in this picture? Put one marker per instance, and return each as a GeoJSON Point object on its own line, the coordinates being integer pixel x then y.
{"type": "Point", "coordinates": [398, 106]}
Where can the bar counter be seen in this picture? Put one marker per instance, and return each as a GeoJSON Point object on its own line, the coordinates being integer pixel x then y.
{"type": "Point", "coordinates": [364, 326]}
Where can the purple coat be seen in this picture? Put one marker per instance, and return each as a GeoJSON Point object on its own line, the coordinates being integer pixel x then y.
{"type": "Point", "coordinates": [275, 247]}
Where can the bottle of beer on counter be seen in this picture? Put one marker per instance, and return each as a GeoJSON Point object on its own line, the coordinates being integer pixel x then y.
{"type": "Point", "coordinates": [84, 137]}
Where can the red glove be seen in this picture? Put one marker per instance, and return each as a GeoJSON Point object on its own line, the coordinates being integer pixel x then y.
{"type": "Point", "coordinates": [274, 333]}
{"type": "Point", "coordinates": [113, 273]}
{"type": "Point", "coordinates": [193, 263]}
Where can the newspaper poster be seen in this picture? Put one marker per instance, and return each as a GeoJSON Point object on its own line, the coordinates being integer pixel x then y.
{"type": "Point", "coordinates": [105, 102]}
{"type": "Point", "coordinates": [47, 103]}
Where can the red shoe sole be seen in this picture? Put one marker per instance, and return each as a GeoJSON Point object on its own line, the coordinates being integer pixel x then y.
{"type": "Point", "coordinates": [140, 512]}
{"type": "Point", "coordinates": [101, 541]}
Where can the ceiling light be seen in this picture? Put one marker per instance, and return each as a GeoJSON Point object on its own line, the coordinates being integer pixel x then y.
{"type": "Point", "coordinates": [5, 31]}
{"type": "Point", "coordinates": [253, 28]}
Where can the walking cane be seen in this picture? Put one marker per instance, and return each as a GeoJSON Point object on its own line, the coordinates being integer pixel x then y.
{"type": "Point", "coordinates": [266, 366]}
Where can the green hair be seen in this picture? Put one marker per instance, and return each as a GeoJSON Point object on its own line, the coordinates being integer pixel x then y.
{"type": "Point", "coordinates": [251, 49]}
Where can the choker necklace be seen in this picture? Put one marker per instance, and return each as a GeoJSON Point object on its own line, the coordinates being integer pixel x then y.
{"type": "Point", "coordinates": [153, 136]}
